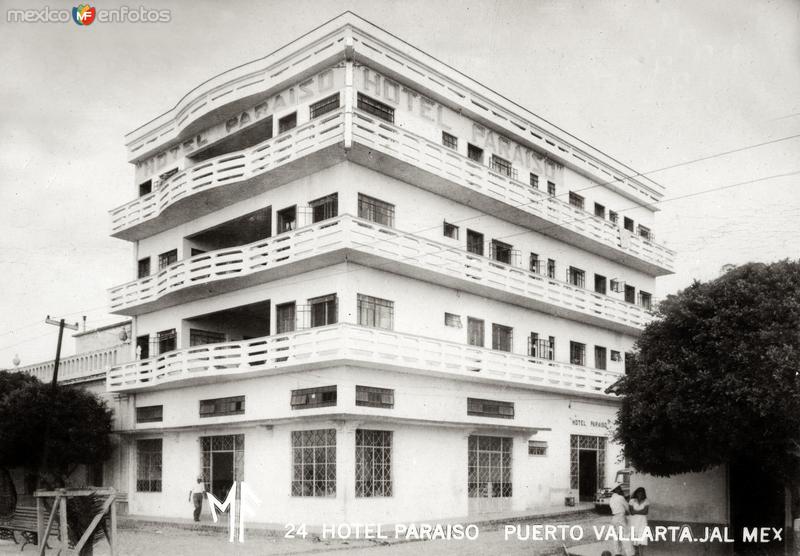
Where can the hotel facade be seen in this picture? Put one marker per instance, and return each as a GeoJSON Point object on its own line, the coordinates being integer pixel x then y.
{"type": "Point", "coordinates": [373, 289]}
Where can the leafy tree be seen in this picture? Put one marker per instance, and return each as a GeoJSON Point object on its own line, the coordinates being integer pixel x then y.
{"type": "Point", "coordinates": [716, 378]}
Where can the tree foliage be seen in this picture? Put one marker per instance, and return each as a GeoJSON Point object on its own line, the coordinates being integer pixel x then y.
{"type": "Point", "coordinates": [51, 431]}
{"type": "Point", "coordinates": [716, 378]}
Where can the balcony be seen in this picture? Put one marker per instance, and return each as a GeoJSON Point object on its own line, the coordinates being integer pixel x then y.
{"type": "Point", "coordinates": [347, 344]}
{"type": "Point", "coordinates": [370, 244]}
{"type": "Point", "coordinates": [91, 365]}
{"type": "Point", "coordinates": [304, 150]}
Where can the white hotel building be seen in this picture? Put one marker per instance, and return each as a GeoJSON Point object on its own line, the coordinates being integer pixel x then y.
{"type": "Point", "coordinates": [373, 290]}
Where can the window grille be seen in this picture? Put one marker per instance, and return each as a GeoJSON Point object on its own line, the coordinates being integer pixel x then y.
{"type": "Point", "coordinates": [452, 320]}
{"type": "Point", "coordinates": [324, 208]}
{"type": "Point", "coordinates": [575, 200]}
{"type": "Point", "coordinates": [537, 447]}
{"type": "Point", "coordinates": [489, 467]}
{"type": "Point", "coordinates": [168, 258]}
{"type": "Point", "coordinates": [324, 106]}
{"type": "Point", "coordinates": [308, 398]}
{"type": "Point", "coordinates": [375, 312]}
{"type": "Point", "coordinates": [218, 481]}
{"type": "Point", "coordinates": [369, 396]}
{"type": "Point", "coordinates": [502, 337]}
{"type": "Point", "coordinates": [541, 348]}
{"type": "Point", "coordinates": [314, 463]}
{"type": "Point", "coordinates": [373, 463]}
{"type": "Point", "coordinates": [534, 181]}
{"type": "Point", "coordinates": [449, 141]}
{"type": "Point", "coordinates": [576, 277]}
{"type": "Point", "coordinates": [148, 465]}
{"type": "Point", "coordinates": [222, 406]}
{"type": "Point", "coordinates": [150, 414]}
{"type": "Point", "coordinates": [501, 252]}
{"type": "Point", "coordinates": [503, 166]}
{"type": "Point", "coordinates": [474, 242]}
{"type": "Point", "coordinates": [375, 108]}
{"type": "Point", "coordinates": [375, 210]}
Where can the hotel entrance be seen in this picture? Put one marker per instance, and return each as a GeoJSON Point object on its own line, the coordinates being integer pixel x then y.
{"type": "Point", "coordinates": [587, 465]}
{"type": "Point", "coordinates": [222, 463]}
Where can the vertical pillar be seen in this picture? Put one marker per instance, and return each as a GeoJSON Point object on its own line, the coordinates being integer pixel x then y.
{"type": "Point", "coordinates": [112, 541]}
{"type": "Point", "coordinates": [39, 521]}
{"type": "Point", "coordinates": [62, 521]}
{"type": "Point", "coordinates": [345, 466]}
{"type": "Point", "coordinates": [349, 90]}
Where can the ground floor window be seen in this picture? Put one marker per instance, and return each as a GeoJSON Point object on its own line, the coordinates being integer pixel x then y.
{"type": "Point", "coordinates": [148, 465]}
{"type": "Point", "coordinates": [222, 462]}
{"type": "Point", "coordinates": [373, 463]}
{"type": "Point", "coordinates": [489, 467]}
{"type": "Point", "coordinates": [587, 464]}
{"type": "Point", "coordinates": [314, 463]}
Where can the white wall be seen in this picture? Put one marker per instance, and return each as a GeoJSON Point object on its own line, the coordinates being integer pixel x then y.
{"type": "Point", "coordinates": [688, 497]}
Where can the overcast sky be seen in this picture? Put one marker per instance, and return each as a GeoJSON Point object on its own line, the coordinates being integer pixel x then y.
{"type": "Point", "coordinates": [653, 83]}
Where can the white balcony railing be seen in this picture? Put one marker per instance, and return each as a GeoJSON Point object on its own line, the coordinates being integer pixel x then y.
{"type": "Point", "coordinates": [350, 344]}
{"type": "Point", "coordinates": [78, 366]}
{"type": "Point", "coordinates": [396, 250]}
{"type": "Point", "coordinates": [231, 168]}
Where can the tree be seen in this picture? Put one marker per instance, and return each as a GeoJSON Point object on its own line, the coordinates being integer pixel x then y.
{"type": "Point", "coordinates": [48, 431]}
{"type": "Point", "coordinates": [716, 378]}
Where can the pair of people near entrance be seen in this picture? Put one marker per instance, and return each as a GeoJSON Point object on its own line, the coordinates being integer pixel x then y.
{"type": "Point", "coordinates": [630, 520]}
{"type": "Point", "coordinates": [196, 495]}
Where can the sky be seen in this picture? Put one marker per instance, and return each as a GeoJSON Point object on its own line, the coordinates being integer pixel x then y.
{"type": "Point", "coordinates": [655, 83]}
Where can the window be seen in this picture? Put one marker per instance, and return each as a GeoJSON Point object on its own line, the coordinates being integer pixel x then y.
{"type": "Point", "coordinates": [148, 465]}
{"type": "Point", "coordinates": [375, 210]}
{"type": "Point", "coordinates": [373, 463]}
{"type": "Point", "coordinates": [551, 268]}
{"type": "Point", "coordinates": [168, 258]}
{"type": "Point", "coordinates": [143, 268]}
{"type": "Point", "coordinates": [645, 232]}
{"type": "Point", "coordinates": [143, 347]}
{"type": "Point", "coordinates": [577, 353]}
{"type": "Point", "coordinates": [551, 189]}
{"type": "Point", "coordinates": [551, 348]}
{"type": "Point", "coordinates": [167, 341]}
{"type": "Point", "coordinates": [450, 230]}
{"type": "Point", "coordinates": [287, 122]}
{"type": "Point", "coordinates": [502, 337]}
{"type": "Point", "coordinates": [324, 208]}
{"type": "Point", "coordinates": [314, 463]}
{"type": "Point", "coordinates": [285, 317]}
{"type": "Point", "coordinates": [645, 300]}
{"type": "Point", "coordinates": [540, 348]}
{"type": "Point", "coordinates": [474, 153]}
{"type": "Point", "coordinates": [474, 242]}
{"type": "Point", "coordinates": [328, 104]}
{"type": "Point", "coordinates": [600, 284]}
{"type": "Point", "coordinates": [323, 310]}
{"type": "Point", "coordinates": [599, 357]}
{"type": "Point", "coordinates": [490, 408]}
{"type": "Point", "coordinates": [308, 398]}
{"type": "Point", "coordinates": [145, 188]}
{"type": "Point", "coordinates": [599, 210]}
{"type": "Point", "coordinates": [576, 277]}
{"type": "Point", "coordinates": [449, 141]}
{"type": "Point", "coordinates": [627, 223]}
{"type": "Point", "coordinates": [615, 355]}
{"type": "Point", "coordinates": [501, 251]}
{"type": "Point", "coordinates": [222, 406]}
{"type": "Point", "coordinates": [503, 166]}
{"type": "Point", "coordinates": [616, 286]}
{"type": "Point", "coordinates": [534, 181]}
{"type": "Point", "coordinates": [452, 320]}
{"type": "Point", "coordinates": [150, 414]}
{"type": "Point", "coordinates": [369, 396]}
{"type": "Point", "coordinates": [537, 447]}
{"type": "Point", "coordinates": [375, 108]}
{"type": "Point", "coordinates": [287, 219]}
{"type": "Point", "coordinates": [575, 200]}
{"type": "Point", "coordinates": [203, 337]}
{"type": "Point", "coordinates": [613, 216]}
{"type": "Point", "coordinates": [196, 251]}
{"type": "Point", "coordinates": [630, 294]}
{"type": "Point", "coordinates": [375, 312]}
{"type": "Point", "coordinates": [535, 264]}
{"type": "Point", "coordinates": [475, 332]}
{"type": "Point", "coordinates": [489, 467]}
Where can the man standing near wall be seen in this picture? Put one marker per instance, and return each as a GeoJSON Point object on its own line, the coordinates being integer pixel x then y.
{"type": "Point", "coordinates": [196, 495]}
{"type": "Point", "coordinates": [619, 521]}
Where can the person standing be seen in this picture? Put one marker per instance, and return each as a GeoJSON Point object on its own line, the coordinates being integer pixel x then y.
{"type": "Point", "coordinates": [619, 521]}
{"type": "Point", "coordinates": [196, 495]}
{"type": "Point", "coordinates": [640, 507]}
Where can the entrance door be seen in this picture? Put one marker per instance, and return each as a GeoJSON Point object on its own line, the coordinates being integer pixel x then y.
{"type": "Point", "coordinates": [587, 477]}
{"type": "Point", "coordinates": [222, 463]}
{"type": "Point", "coordinates": [221, 474]}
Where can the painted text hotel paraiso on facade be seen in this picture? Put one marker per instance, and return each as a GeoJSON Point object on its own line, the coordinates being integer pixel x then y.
{"type": "Point", "coordinates": [373, 289]}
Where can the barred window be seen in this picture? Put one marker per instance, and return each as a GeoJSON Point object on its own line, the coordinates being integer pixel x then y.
{"type": "Point", "coordinates": [452, 320]}
{"type": "Point", "coordinates": [324, 208]}
{"type": "Point", "coordinates": [150, 414]}
{"type": "Point", "coordinates": [373, 463]}
{"type": "Point", "coordinates": [502, 337]}
{"type": "Point", "coordinates": [314, 463]}
{"type": "Point", "coordinates": [501, 251]}
{"type": "Point", "coordinates": [375, 210]}
{"type": "Point", "coordinates": [450, 230]}
{"type": "Point", "coordinates": [576, 277]}
{"type": "Point", "coordinates": [308, 398]}
{"type": "Point", "coordinates": [551, 189]}
{"type": "Point", "coordinates": [541, 348]}
{"type": "Point", "coordinates": [202, 337]}
{"type": "Point", "coordinates": [328, 104]}
{"type": "Point", "coordinates": [375, 312]}
{"type": "Point", "coordinates": [489, 467]}
{"type": "Point", "coordinates": [376, 108]}
{"type": "Point", "coordinates": [143, 268]}
{"type": "Point", "coordinates": [537, 447]}
{"type": "Point", "coordinates": [474, 242]}
{"type": "Point", "coordinates": [369, 396]}
{"type": "Point", "coordinates": [449, 141]}
{"type": "Point", "coordinates": [222, 406]}
{"type": "Point", "coordinates": [148, 465]}
{"type": "Point", "coordinates": [323, 310]}
{"type": "Point", "coordinates": [490, 408]}
{"type": "Point", "coordinates": [577, 353]}
{"type": "Point", "coordinates": [166, 259]}
{"type": "Point", "coordinates": [534, 181]}
{"type": "Point", "coordinates": [503, 166]}
{"type": "Point", "coordinates": [575, 200]}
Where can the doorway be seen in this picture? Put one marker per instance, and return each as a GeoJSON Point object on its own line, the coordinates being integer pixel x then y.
{"type": "Point", "coordinates": [222, 463]}
{"type": "Point", "coordinates": [587, 474]}
{"type": "Point", "coordinates": [587, 465]}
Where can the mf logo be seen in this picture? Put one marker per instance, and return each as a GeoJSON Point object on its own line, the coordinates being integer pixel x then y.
{"type": "Point", "coordinates": [84, 14]}
{"type": "Point", "coordinates": [246, 502]}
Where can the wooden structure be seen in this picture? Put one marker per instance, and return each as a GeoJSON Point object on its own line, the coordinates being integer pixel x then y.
{"type": "Point", "coordinates": [24, 520]}
{"type": "Point", "coordinates": [45, 522]}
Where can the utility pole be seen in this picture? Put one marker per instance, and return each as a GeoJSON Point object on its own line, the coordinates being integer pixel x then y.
{"type": "Point", "coordinates": [61, 325]}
